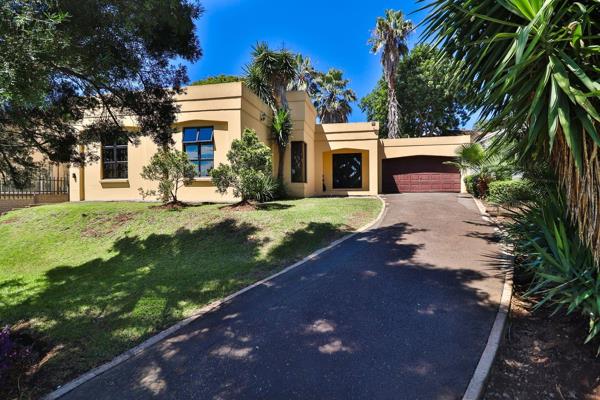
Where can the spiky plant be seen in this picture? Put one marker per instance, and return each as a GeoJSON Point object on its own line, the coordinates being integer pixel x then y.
{"type": "Point", "coordinates": [269, 74]}
{"type": "Point", "coordinates": [389, 37]}
{"type": "Point", "coordinates": [333, 98]}
{"type": "Point", "coordinates": [535, 66]}
{"type": "Point", "coordinates": [281, 130]}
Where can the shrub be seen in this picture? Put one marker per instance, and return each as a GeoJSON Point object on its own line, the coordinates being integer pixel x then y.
{"type": "Point", "coordinates": [511, 192]}
{"type": "Point", "coordinates": [211, 80]}
{"type": "Point", "coordinates": [565, 273]}
{"type": "Point", "coordinates": [172, 169]}
{"type": "Point", "coordinates": [249, 172]}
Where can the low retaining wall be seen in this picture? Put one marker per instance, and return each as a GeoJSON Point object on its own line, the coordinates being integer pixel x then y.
{"type": "Point", "coordinates": [10, 203]}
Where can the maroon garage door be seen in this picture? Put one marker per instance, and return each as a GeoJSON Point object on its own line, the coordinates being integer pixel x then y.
{"type": "Point", "coordinates": [419, 174]}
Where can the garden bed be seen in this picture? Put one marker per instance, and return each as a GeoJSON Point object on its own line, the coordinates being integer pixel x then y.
{"type": "Point", "coordinates": [543, 356]}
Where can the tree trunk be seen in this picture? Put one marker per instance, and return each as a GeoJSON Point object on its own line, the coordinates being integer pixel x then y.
{"type": "Point", "coordinates": [280, 163]}
{"type": "Point", "coordinates": [393, 114]}
{"type": "Point", "coordinates": [582, 188]}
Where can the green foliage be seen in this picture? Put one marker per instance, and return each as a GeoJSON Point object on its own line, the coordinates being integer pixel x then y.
{"type": "Point", "coordinates": [534, 65]}
{"type": "Point", "coordinates": [61, 58]}
{"type": "Point", "coordinates": [211, 80]}
{"type": "Point", "coordinates": [249, 172]}
{"type": "Point", "coordinates": [390, 39]}
{"type": "Point", "coordinates": [469, 156]}
{"type": "Point", "coordinates": [564, 270]}
{"type": "Point", "coordinates": [172, 170]}
{"type": "Point", "coordinates": [269, 74]}
{"type": "Point", "coordinates": [511, 192]}
{"type": "Point", "coordinates": [281, 130]}
{"type": "Point", "coordinates": [332, 97]}
{"type": "Point", "coordinates": [429, 102]}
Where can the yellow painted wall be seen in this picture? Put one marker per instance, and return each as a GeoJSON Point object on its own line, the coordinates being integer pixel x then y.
{"type": "Point", "coordinates": [219, 106]}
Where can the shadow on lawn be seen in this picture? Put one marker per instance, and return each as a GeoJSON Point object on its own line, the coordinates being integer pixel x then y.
{"type": "Point", "coordinates": [366, 314]}
{"type": "Point", "coordinates": [96, 310]}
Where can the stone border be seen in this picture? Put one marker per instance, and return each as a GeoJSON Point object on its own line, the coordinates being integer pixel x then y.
{"type": "Point", "coordinates": [62, 390]}
{"type": "Point", "coordinates": [478, 381]}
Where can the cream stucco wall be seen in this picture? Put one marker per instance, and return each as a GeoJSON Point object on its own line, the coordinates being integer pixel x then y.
{"type": "Point", "coordinates": [232, 107]}
{"type": "Point", "coordinates": [346, 138]}
{"type": "Point", "coordinates": [228, 108]}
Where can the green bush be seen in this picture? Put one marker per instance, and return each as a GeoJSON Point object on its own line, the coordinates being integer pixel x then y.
{"type": "Point", "coordinates": [249, 172]}
{"type": "Point", "coordinates": [511, 192]}
{"type": "Point", "coordinates": [477, 184]}
{"type": "Point", "coordinates": [171, 169]}
{"type": "Point", "coordinates": [565, 273]}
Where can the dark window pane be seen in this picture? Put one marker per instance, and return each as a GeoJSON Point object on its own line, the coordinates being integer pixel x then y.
{"type": "Point", "coordinates": [206, 167]}
{"type": "Point", "coordinates": [121, 170]}
{"type": "Point", "coordinates": [121, 140]}
{"type": "Point", "coordinates": [108, 154]}
{"type": "Point", "coordinates": [190, 135]}
{"type": "Point", "coordinates": [298, 162]}
{"type": "Point", "coordinates": [206, 135]}
{"type": "Point", "coordinates": [191, 151]}
{"type": "Point", "coordinates": [108, 171]}
{"type": "Point", "coordinates": [347, 171]}
{"type": "Point", "coordinates": [207, 152]}
{"type": "Point", "coordinates": [122, 154]}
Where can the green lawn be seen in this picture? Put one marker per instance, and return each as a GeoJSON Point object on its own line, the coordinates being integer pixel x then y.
{"type": "Point", "coordinates": [94, 279]}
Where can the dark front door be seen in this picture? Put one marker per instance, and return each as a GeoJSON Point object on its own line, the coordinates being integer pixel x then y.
{"type": "Point", "coordinates": [347, 171]}
{"type": "Point", "coordinates": [419, 174]}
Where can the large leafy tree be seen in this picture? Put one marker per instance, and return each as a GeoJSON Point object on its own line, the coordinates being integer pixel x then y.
{"type": "Point", "coordinates": [333, 98]}
{"type": "Point", "coordinates": [428, 101]}
{"type": "Point", "coordinates": [535, 65]}
{"type": "Point", "coordinates": [62, 58]}
{"type": "Point", "coordinates": [389, 37]}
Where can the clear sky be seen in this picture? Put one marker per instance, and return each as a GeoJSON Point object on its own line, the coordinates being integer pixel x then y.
{"type": "Point", "coordinates": [333, 33]}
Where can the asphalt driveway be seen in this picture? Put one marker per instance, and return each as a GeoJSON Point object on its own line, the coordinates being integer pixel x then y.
{"type": "Point", "coordinates": [400, 312]}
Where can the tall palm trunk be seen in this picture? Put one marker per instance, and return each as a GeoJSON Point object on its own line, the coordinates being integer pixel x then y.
{"type": "Point", "coordinates": [582, 188]}
{"type": "Point", "coordinates": [393, 114]}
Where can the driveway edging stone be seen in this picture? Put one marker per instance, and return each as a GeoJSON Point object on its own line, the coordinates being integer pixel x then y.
{"type": "Point", "coordinates": [478, 381]}
{"type": "Point", "coordinates": [211, 307]}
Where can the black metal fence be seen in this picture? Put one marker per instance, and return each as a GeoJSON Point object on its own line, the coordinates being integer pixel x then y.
{"type": "Point", "coordinates": [37, 186]}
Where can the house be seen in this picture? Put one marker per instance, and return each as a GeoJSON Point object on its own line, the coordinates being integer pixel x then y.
{"type": "Point", "coordinates": [321, 159]}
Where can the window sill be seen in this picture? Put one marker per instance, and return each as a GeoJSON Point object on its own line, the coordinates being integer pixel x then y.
{"type": "Point", "coordinates": [202, 179]}
{"type": "Point", "coordinates": [115, 180]}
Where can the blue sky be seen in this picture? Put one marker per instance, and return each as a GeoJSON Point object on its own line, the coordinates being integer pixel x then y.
{"type": "Point", "coordinates": [331, 33]}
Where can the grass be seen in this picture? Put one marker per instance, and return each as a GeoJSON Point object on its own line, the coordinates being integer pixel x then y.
{"type": "Point", "coordinates": [91, 280]}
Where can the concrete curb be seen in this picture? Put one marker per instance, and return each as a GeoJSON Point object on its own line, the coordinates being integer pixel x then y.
{"type": "Point", "coordinates": [478, 381]}
{"type": "Point", "coordinates": [61, 391]}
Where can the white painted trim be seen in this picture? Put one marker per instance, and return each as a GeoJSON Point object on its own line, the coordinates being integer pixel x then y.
{"type": "Point", "coordinates": [61, 391]}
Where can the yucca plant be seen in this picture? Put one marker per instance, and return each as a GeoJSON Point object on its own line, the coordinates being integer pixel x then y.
{"type": "Point", "coordinates": [534, 64]}
{"type": "Point", "coordinates": [563, 269]}
{"type": "Point", "coordinates": [281, 130]}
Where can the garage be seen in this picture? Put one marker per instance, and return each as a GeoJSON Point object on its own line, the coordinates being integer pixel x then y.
{"type": "Point", "coordinates": [419, 174]}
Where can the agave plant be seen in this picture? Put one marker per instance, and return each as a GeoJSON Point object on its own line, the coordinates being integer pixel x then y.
{"type": "Point", "coordinates": [389, 37]}
{"type": "Point", "coordinates": [282, 131]}
{"type": "Point", "coordinates": [333, 98]}
{"type": "Point", "coordinates": [534, 64]}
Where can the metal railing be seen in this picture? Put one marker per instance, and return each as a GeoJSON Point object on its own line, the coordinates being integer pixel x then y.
{"type": "Point", "coordinates": [37, 186]}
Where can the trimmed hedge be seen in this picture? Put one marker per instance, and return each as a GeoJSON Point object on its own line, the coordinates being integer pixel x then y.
{"type": "Point", "coordinates": [510, 192]}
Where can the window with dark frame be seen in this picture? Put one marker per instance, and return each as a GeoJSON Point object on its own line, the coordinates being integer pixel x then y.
{"type": "Point", "coordinates": [347, 171]}
{"type": "Point", "coordinates": [198, 144]}
{"type": "Point", "coordinates": [114, 157]}
{"type": "Point", "coordinates": [299, 162]}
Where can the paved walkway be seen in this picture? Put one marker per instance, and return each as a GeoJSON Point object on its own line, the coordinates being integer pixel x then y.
{"type": "Point", "coordinates": [400, 312]}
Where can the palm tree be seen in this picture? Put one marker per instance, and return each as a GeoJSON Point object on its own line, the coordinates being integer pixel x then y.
{"type": "Point", "coordinates": [268, 75]}
{"type": "Point", "coordinates": [535, 65]}
{"type": "Point", "coordinates": [281, 130]}
{"type": "Point", "coordinates": [469, 157]}
{"type": "Point", "coordinates": [333, 98]}
{"type": "Point", "coordinates": [305, 76]}
{"type": "Point", "coordinates": [389, 38]}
